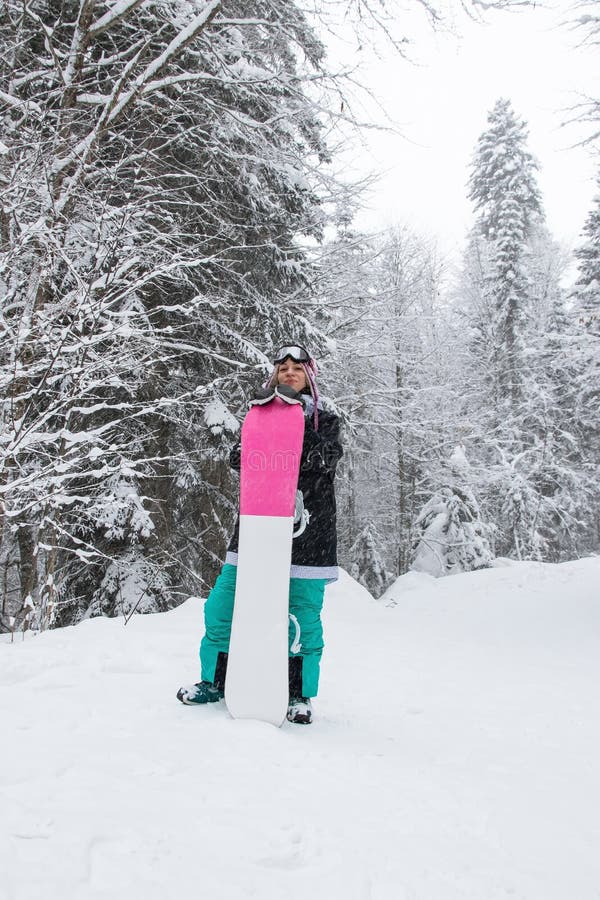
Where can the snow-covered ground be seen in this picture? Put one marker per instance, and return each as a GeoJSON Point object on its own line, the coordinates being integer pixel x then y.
{"type": "Point", "coordinates": [455, 754]}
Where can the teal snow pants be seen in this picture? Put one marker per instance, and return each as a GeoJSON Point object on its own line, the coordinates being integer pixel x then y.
{"type": "Point", "coordinates": [306, 602]}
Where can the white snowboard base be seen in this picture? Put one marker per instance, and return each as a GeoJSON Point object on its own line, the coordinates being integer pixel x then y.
{"type": "Point", "coordinates": [256, 686]}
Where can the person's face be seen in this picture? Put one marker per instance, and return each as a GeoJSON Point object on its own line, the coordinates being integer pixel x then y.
{"type": "Point", "coordinates": [292, 373]}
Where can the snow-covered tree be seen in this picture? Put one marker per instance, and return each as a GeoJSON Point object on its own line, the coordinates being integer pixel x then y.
{"type": "Point", "coordinates": [366, 561]}
{"type": "Point", "coordinates": [392, 352]}
{"type": "Point", "coordinates": [450, 536]}
{"type": "Point", "coordinates": [158, 174]}
{"type": "Point", "coordinates": [585, 367]}
{"type": "Point", "coordinates": [411, 394]}
{"type": "Point", "coordinates": [518, 360]}
{"type": "Point", "coordinates": [344, 285]}
{"type": "Point", "coordinates": [507, 201]}
{"type": "Point", "coordinates": [587, 287]}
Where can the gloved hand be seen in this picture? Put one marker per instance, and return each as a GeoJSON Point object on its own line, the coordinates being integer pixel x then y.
{"type": "Point", "coordinates": [287, 393]}
{"type": "Point", "coordinates": [262, 396]}
{"type": "Point", "coordinates": [235, 456]}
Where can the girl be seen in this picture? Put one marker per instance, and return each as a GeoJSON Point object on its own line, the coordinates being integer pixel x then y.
{"type": "Point", "coordinates": [314, 551]}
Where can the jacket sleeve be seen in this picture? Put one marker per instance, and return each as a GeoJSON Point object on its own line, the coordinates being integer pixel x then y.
{"type": "Point", "coordinates": [322, 450]}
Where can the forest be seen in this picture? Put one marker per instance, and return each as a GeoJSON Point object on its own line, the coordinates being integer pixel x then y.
{"type": "Point", "coordinates": [170, 214]}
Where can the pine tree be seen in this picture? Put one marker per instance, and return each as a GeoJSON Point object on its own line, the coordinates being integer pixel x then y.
{"type": "Point", "coordinates": [587, 286]}
{"type": "Point", "coordinates": [520, 371]}
{"type": "Point", "coordinates": [450, 536]}
{"type": "Point", "coordinates": [367, 565]}
{"type": "Point", "coordinates": [585, 367]}
{"type": "Point", "coordinates": [507, 199]}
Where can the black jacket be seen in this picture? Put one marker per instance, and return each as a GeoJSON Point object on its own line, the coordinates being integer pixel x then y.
{"type": "Point", "coordinates": [314, 552]}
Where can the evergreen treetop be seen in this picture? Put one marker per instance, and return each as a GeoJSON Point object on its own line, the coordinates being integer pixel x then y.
{"type": "Point", "coordinates": [503, 185]}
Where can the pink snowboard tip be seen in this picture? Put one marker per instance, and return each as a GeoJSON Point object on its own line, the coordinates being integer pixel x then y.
{"type": "Point", "coordinates": [272, 437]}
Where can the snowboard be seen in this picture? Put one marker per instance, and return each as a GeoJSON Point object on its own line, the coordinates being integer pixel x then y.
{"type": "Point", "coordinates": [256, 684]}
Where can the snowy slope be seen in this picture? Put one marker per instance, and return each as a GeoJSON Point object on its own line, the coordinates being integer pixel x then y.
{"type": "Point", "coordinates": [454, 754]}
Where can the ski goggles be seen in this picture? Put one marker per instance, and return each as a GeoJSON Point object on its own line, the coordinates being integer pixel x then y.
{"type": "Point", "coordinates": [293, 351]}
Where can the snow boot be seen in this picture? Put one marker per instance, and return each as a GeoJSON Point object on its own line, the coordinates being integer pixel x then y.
{"type": "Point", "coordinates": [203, 692]}
{"type": "Point", "coordinates": [299, 711]}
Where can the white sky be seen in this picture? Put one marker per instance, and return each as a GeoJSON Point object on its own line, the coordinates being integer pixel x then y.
{"type": "Point", "coordinates": [441, 107]}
